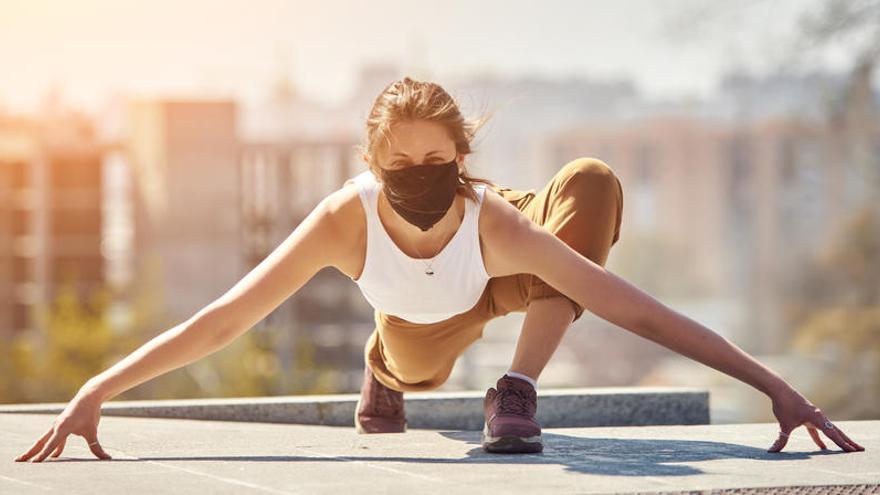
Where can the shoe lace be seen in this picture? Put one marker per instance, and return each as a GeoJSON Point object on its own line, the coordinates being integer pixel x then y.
{"type": "Point", "coordinates": [513, 401]}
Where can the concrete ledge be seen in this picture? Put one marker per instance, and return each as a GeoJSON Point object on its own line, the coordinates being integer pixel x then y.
{"type": "Point", "coordinates": [557, 408]}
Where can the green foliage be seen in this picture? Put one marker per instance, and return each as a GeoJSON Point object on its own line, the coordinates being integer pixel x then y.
{"type": "Point", "coordinates": [312, 376]}
{"type": "Point", "coordinates": [247, 367]}
{"type": "Point", "coordinates": [839, 319]}
{"type": "Point", "coordinates": [72, 342]}
{"type": "Point", "coordinates": [16, 369]}
{"type": "Point", "coordinates": [76, 340]}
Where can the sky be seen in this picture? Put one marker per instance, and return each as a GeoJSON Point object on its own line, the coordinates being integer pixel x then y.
{"type": "Point", "coordinates": [669, 48]}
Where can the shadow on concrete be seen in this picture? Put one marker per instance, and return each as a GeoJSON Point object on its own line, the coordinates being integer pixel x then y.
{"type": "Point", "coordinates": [627, 456]}
{"type": "Point", "coordinates": [603, 456]}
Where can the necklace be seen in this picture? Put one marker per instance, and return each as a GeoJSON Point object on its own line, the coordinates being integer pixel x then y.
{"type": "Point", "coordinates": [428, 267]}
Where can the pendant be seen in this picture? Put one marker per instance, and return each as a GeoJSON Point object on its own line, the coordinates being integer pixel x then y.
{"type": "Point", "coordinates": [429, 272]}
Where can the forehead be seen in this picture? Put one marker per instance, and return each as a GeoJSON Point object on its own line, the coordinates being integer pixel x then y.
{"type": "Point", "coordinates": [415, 138]}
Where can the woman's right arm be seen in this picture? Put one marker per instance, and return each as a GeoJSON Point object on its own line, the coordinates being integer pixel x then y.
{"type": "Point", "coordinates": [315, 243]}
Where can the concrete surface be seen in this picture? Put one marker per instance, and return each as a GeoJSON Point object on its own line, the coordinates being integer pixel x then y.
{"type": "Point", "coordinates": [463, 410]}
{"type": "Point", "coordinates": [162, 455]}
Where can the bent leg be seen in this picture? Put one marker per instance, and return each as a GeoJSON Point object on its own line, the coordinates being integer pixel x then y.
{"type": "Point", "coordinates": [411, 357]}
{"type": "Point", "coordinates": [582, 205]}
{"type": "Point", "coordinates": [543, 327]}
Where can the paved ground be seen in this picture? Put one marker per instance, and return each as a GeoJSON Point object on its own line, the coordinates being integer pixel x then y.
{"type": "Point", "coordinates": [161, 455]}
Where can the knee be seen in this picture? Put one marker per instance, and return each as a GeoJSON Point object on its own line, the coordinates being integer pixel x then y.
{"type": "Point", "coordinates": [589, 174]}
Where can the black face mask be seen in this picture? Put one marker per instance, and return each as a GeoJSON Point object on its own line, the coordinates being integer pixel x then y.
{"type": "Point", "coordinates": [421, 194]}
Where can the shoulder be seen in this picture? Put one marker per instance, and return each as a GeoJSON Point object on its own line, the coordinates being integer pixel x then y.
{"type": "Point", "coordinates": [502, 226]}
{"type": "Point", "coordinates": [344, 209]}
{"type": "Point", "coordinates": [498, 218]}
{"type": "Point", "coordinates": [513, 242]}
{"type": "Point", "coordinates": [338, 223]}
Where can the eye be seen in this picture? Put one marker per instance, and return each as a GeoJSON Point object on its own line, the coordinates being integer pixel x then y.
{"type": "Point", "coordinates": [430, 160]}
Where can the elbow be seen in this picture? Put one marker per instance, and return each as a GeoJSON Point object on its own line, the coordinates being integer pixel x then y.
{"type": "Point", "coordinates": [648, 322]}
{"type": "Point", "coordinates": [215, 326]}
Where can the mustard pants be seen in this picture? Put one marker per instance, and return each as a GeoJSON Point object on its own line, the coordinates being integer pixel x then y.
{"type": "Point", "coordinates": [581, 205]}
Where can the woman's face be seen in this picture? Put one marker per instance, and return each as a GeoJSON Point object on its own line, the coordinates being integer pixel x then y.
{"type": "Point", "coordinates": [418, 142]}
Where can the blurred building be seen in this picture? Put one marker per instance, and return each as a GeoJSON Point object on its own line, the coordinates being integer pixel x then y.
{"type": "Point", "coordinates": [670, 171]}
{"type": "Point", "coordinates": [743, 205]}
{"type": "Point", "coordinates": [51, 182]}
{"type": "Point", "coordinates": [183, 156]}
{"type": "Point", "coordinates": [527, 109]}
{"type": "Point", "coordinates": [211, 204]}
{"type": "Point", "coordinates": [281, 183]}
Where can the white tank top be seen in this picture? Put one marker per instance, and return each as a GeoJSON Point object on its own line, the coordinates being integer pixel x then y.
{"type": "Point", "coordinates": [396, 284]}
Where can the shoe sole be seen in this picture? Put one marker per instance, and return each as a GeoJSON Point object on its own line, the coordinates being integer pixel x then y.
{"type": "Point", "coordinates": [510, 444]}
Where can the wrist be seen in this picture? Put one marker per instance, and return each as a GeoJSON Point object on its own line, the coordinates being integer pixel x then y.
{"type": "Point", "coordinates": [92, 390]}
{"type": "Point", "coordinates": [779, 389]}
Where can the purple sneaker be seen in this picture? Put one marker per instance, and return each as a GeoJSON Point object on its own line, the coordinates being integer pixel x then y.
{"type": "Point", "coordinates": [510, 418]}
{"type": "Point", "coordinates": [379, 408]}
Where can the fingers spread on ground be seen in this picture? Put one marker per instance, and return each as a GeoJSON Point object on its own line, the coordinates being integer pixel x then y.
{"type": "Point", "coordinates": [36, 446]}
{"type": "Point", "coordinates": [53, 441]}
{"type": "Point", "coordinates": [780, 442]}
{"type": "Point", "coordinates": [816, 438]}
{"type": "Point", "coordinates": [59, 448]}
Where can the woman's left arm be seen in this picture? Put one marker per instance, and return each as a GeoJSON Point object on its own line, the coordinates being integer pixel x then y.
{"type": "Point", "coordinates": [612, 298]}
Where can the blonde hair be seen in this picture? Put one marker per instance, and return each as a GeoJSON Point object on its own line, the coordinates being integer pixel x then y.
{"type": "Point", "coordinates": [408, 99]}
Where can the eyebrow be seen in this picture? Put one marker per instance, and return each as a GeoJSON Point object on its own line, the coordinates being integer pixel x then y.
{"type": "Point", "coordinates": [429, 153]}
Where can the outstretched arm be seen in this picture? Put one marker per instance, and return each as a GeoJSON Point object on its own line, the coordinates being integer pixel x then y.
{"type": "Point", "coordinates": [312, 245]}
{"type": "Point", "coordinates": [529, 248]}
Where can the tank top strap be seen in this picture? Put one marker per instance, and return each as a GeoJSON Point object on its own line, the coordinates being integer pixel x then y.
{"type": "Point", "coordinates": [480, 189]}
{"type": "Point", "coordinates": [367, 188]}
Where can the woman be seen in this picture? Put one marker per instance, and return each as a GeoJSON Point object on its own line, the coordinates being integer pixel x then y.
{"type": "Point", "coordinates": [439, 253]}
